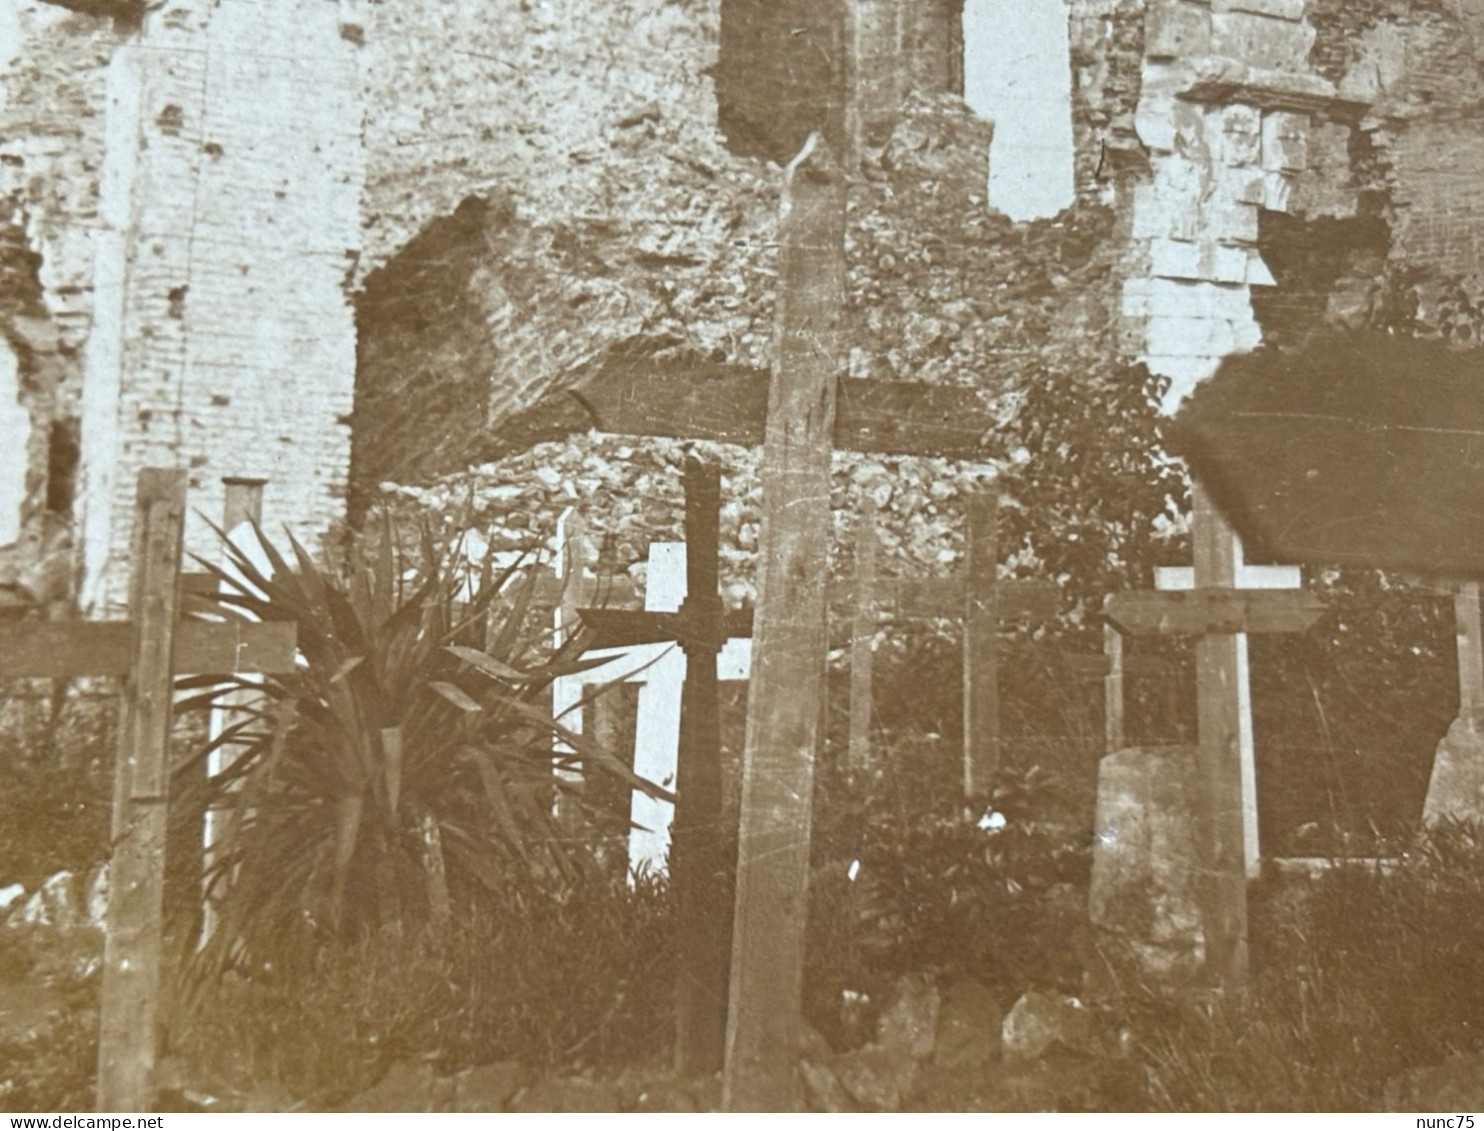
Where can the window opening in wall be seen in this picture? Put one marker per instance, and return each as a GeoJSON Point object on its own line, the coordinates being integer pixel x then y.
{"type": "Point", "coordinates": [63, 450]}
{"type": "Point", "coordinates": [1018, 75]}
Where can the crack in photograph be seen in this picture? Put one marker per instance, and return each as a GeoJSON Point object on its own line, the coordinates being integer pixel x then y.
{"type": "Point", "coordinates": [741, 556]}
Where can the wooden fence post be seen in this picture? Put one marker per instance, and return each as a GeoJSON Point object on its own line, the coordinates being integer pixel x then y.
{"type": "Point", "coordinates": [790, 644]}
{"type": "Point", "coordinates": [981, 646]}
{"type": "Point", "coordinates": [134, 939]}
{"type": "Point", "coordinates": [702, 859]}
{"type": "Point", "coordinates": [1219, 726]}
{"type": "Point", "coordinates": [863, 637]}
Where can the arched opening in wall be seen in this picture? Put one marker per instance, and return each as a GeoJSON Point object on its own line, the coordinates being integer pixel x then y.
{"type": "Point", "coordinates": [1018, 75]}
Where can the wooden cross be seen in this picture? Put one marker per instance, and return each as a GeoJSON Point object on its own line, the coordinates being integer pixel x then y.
{"type": "Point", "coordinates": [702, 858]}
{"type": "Point", "coordinates": [1217, 612]}
{"type": "Point", "coordinates": [799, 412]}
{"type": "Point", "coordinates": [976, 597]}
{"type": "Point", "coordinates": [147, 650]}
{"type": "Point", "coordinates": [1246, 577]}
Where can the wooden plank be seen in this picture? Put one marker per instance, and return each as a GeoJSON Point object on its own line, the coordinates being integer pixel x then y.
{"type": "Point", "coordinates": [943, 597]}
{"type": "Point", "coordinates": [596, 592]}
{"type": "Point", "coordinates": [1193, 612]}
{"type": "Point", "coordinates": [1222, 887]}
{"type": "Point", "coordinates": [626, 628]}
{"type": "Point", "coordinates": [863, 637]}
{"type": "Point", "coordinates": [730, 405]}
{"type": "Point", "coordinates": [981, 674]}
{"type": "Point", "coordinates": [133, 942]}
{"type": "Point", "coordinates": [1114, 738]}
{"type": "Point", "coordinates": [904, 597]}
{"type": "Point", "coordinates": [789, 645]}
{"type": "Point", "coordinates": [702, 855]}
{"type": "Point", "coordinates": [60, 650]}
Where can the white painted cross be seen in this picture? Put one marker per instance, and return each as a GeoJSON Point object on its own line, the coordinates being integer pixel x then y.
{"type": "Point", "coordinates": [659, 669]}
{"type": "Point", "coordinates": [1247, 577]}
{"type": "Point", "coordinates": [244, 507]}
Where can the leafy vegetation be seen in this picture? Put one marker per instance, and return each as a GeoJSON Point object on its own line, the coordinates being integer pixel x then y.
{"type": "Point", "coordinates": [407, 771]}
{"type": "Point", "coordinates": [1361, 975]}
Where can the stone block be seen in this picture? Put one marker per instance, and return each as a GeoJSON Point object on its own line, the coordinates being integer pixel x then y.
{"type": "Point", "coordinates": [910, 1021]}
{"type": "Point", "coordinates": [1143, 901]}
{"type": "Point", "coordinates": [970, 1025]}
{"type": "Point", "coordinates": [1277, 9]}
{"type": "Point", "coordinates": [1189, 259]}
{"type": "Point", "coordinates": [1165, 210]}
{"type": "Point", "coordinates": [1195, 337]}
{"type": "Point", "coordinates": [1277, 191]}
{"type": "Point", "coordinates": [1175, 259]}
{"type": "Point", "coordinates": [1038, 1021]}
{"type": "Point", "coordinates": [1456, 789]}
{"type": "Point", "coordinates": [1176, 29]}
{"type": "Point", "coordinates": [1285, 142]}
{"type": "Point", "coordinates": [1228, 221]}
{"type": "Point", "coordinates": [1241, 135]}
{"type": "Point", "coordinates": [1261, 42]}
{"type": "Point", "coordinates": [1258, 272]}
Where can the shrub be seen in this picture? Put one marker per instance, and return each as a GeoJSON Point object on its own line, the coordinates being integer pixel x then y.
{"type": "Point", "coordinates": [1362, 975]}
{"type": "Point", "coordinates": [907, 878]}
{"type": "Point", "coordinates": [579, 980]}
{"type": "Point", "coordinates": [54, 812]}
{"type": "Point", "coordinates": [404, 774]}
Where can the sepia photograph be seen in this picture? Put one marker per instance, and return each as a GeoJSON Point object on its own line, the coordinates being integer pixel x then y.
{"type": "Point", "coordinates": [699, 556]}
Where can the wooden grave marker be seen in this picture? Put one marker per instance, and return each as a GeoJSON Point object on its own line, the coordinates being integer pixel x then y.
{"type": "Point", "coordinates": [1246, 577]}
{"type": "Point", "coordinates": [1216, 612]}
{"type": "Point", "coordinates": [793, 413]}
{"type": "Point", "coordinates": [148, 649]}
{"type": "Point", "coordinates": [977, 598]}
{"type": "Point", "coordinates": [702, 861]}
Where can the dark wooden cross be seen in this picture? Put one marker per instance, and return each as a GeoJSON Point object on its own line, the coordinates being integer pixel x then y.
{"type": "Point", "coordinates": [703, 853]}
{"type": "Point", "coordinates": [1215, 612]}
{"type": "Point", "coordinates": [148, 650]}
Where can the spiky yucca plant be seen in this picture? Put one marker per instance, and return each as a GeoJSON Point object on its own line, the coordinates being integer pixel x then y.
{"type": "Point", "coordinates": [404, 773]}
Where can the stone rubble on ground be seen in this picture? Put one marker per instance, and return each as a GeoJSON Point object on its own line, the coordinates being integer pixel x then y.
{"type": "Point", "coordinates": [1039, 1021]}
{"type": "Point", "coordinates": [63, 902]}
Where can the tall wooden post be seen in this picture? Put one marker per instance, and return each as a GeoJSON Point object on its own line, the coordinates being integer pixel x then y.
{"type": "Point", "coordinates": [1114, 738]}
{"type": "Point", "coordinates": [1218, 678]}
{"type": "Point", "coordinates": [1470, 649]}
{"type": "Point", "coordinates": [134, 942]}
{"type": "Point", "coordinates": [863, 637]}
{"type": "Point", "coordinates": [702, 857]}
{"type": "Point", "coordinates": [981, 647]}
{"type": "Point", "coordinates": [789, 643]}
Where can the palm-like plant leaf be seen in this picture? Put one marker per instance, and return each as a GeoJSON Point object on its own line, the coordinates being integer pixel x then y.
{"type": "Point", "coordinates": [418, 704]}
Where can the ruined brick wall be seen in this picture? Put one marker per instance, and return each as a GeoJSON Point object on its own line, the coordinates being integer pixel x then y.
{"type": "Point", "coordinates": [181, 201]}
{"type": "Point", "coordinates": [222, 337]}
{"type": "Point", "coordinates": [52, 102]}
